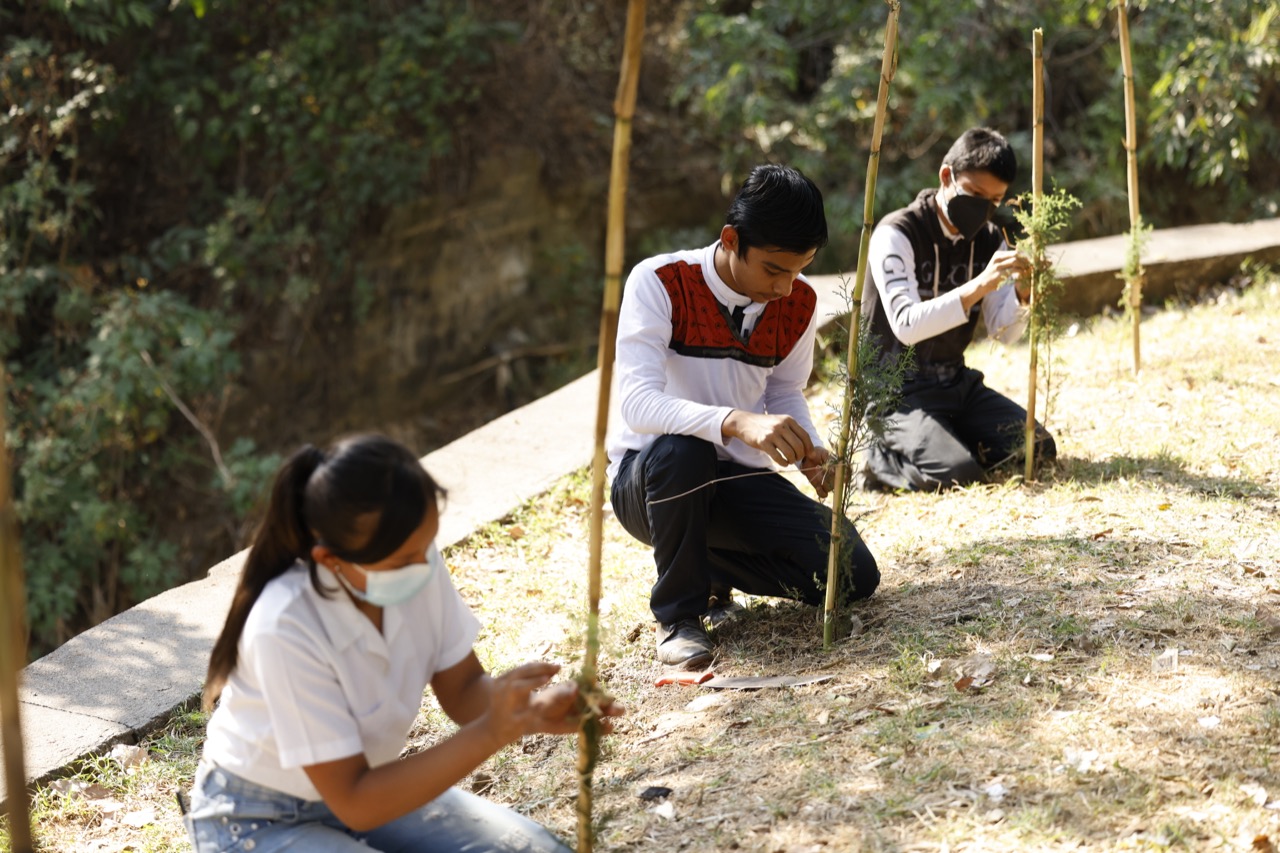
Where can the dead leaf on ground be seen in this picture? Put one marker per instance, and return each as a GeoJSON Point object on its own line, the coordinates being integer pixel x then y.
{"type": "Point", "coordinates": [88, 790]}
{"type": "Point", "coordinates": [1267, 618]}
{"type": "Point", "coordinates": [1082, 760]}
{"type": "Point", "coordinates": [1254, 792]}
{"type": "Point", "coordinates": [708, 701]}
{"type": "Point", "coordinates": [128, 756]}
{"type": "Point", "coordinates": [974, 672]}
{"type": "Point", "coordinates": [140, 818]}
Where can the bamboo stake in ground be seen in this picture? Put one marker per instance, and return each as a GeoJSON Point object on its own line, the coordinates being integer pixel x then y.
{"type": "Point", "coordinates": [624, 107]}
{"type": "Point", "coordinates": [887, 67]}
{"type": "Point", "coordinates": [1133, 266]}
{"type": "Point", "coordinates": [12, 654]}
{"type": "Point", "coordinates": [1037, 191]}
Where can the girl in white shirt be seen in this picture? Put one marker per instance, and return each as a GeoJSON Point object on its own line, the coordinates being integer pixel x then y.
{"type": "Point", "coordinates": [343, 614]}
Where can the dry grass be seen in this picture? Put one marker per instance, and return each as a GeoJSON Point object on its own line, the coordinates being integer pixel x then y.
{"type": "Point", "coordinates": [1155, 538]}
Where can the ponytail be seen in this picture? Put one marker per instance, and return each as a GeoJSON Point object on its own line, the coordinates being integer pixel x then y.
{"type": "Point", "coordinates": [362, 499]}
{"type": "Point", "coordinates": [281, 540]}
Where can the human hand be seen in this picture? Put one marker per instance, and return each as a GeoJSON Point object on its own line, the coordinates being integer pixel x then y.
{"type": "Point", "coordinates": [816, 465]}
{"type": "Point", "coordinates": [558, 710]}
{"type": "Point", "coordinates": [780, 437]}
{"type": "Point", "coordinates": [512, 711]}
{"type": "Point", "coordinates": [1004, 264]}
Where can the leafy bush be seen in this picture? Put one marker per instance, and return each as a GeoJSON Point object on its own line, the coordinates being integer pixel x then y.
{"type": "Point", "coordinates": [797, 82]}
{"type": "Point", "coordinates": [173, 187]}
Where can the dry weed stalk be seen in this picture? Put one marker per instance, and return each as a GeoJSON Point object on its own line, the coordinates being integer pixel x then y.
{"type": "Point", "coordinates": [887, 68]}
{"type": "Point", "coordinates": [624, 107]}
{"type": "Point", "coordinates": [13, 623]}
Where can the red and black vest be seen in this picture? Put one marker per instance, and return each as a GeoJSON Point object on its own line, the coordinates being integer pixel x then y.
{"type": "Point", "coordinates": [701, 326]}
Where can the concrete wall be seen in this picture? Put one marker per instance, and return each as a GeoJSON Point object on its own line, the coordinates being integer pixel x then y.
{"type": "Point", "coordinates": [1176, 261]}
{"type": "Point", "coordinates": [451, 280]}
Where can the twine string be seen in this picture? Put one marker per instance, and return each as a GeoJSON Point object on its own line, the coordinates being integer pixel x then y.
{"type": "Point", "coordinates": [725, 480]}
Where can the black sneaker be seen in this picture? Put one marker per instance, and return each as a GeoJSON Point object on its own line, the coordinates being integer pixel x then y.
{"type": "Point", "coordinates": [684, 644]}
{"type": "Point", "coordinates": [721, 610]}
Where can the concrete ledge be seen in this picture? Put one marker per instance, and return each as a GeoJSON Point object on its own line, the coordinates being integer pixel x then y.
{"type": "Point", "coordinates": [118, 681]}
{"type": "Point", "coordinates": [1176, 260]}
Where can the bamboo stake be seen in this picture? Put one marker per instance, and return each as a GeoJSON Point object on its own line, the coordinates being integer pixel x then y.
{"type": "Point", "coordinates": [887, 68]}
{"type": "Point", "coordinates": [1131, 149]}
{"type": "Point", "coordinates": [1037, 191]}
{"type": "Point", "coordinates": [624, 107]}
{"type": "Point", "coordinates": [12, 654]}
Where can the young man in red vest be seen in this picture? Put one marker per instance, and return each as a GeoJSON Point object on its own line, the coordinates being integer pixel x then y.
{"type": "Point", "coordinates": [715, 346]}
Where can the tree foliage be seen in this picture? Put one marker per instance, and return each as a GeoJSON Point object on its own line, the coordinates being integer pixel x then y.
{"type": "Point", "coordinates": [180, 182]}
{"type": "Point", "coordinates": [176, 181]}
{"type": "Point", "coordinates": [796, 82]}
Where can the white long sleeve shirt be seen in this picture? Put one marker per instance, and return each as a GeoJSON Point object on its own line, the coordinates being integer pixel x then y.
{"type": "Point", "coordinates": [681, 368]}
{"type": "Point", "coordinates": [891, 265]}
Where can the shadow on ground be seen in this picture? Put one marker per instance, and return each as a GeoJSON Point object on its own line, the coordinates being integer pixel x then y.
{"type": "Point", "coordinates": [1168, 469]}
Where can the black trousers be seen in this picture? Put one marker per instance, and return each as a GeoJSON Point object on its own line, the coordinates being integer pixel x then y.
{"type": "Point", "coordinates": [950, 429]}
{"type": "Point", "coordinates": [758, 534]}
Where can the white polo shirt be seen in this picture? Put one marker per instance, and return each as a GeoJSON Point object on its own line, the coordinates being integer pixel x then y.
{"type": "Point", "coordinates": [315, 681]}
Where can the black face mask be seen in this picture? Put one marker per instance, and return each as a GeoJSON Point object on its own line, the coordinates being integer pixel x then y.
{"type": "Point", "coordinates": [968, 213]}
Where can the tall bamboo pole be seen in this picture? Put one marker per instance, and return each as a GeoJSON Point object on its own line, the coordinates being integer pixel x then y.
{"type": "Point", "coordinates": [12, 654]}
{"type": "Point", "coordinates": [1037, 192]}
{"type": "Point", "coordinates": [1131, 149]}
{"type": "Point", "coordinates": [624, 107]}
{"type": "Point", "coordinates": [887, 67]}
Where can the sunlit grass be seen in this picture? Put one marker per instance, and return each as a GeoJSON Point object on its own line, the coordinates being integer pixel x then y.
{"type": "Point", "coordinates": [1157, 531]}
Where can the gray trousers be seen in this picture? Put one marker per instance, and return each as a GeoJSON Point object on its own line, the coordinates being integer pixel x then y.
{"type": "Point", "coordinates": [950, 429]}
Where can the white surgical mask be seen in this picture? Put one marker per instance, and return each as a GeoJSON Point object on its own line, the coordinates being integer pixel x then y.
{"type": "Point", "coordinates": [395, 586]}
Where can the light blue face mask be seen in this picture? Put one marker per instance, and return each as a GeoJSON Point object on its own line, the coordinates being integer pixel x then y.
{"type": "Point", "coordinates": [395, 586]}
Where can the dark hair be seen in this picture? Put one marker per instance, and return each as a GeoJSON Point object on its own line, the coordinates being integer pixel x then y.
{"type": "Point", "coordinates": [361, 499]}
{"type": "Point", "coordinates": [981, 149]}
{"type": "Point", "coordinates": [778, 207]}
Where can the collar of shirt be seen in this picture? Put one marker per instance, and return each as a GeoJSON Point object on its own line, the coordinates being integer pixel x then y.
{"type": "Point", "coordinates": [725, 294]}
{"type": "Point", "coordinates": [344, 623]}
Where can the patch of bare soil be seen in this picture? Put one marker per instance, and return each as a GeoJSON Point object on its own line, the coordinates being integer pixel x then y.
{"type": "Point", "coordinates": [1087, 662]}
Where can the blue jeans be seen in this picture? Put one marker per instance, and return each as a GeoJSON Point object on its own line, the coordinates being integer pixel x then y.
{"type": "Point", "coordinates": [232, 815]}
